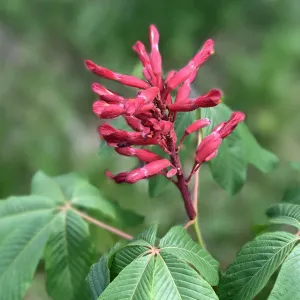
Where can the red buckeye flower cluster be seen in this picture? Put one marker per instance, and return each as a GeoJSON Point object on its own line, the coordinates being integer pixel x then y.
{"type": "Point", "coordinates": [152, 114]}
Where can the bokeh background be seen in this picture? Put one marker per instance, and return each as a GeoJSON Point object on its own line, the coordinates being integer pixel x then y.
{"type": "Point", "coordinates": [45, 98]}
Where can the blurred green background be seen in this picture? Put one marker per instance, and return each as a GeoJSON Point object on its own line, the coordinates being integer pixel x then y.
{"type": "Point", "coordinates": [45, 98]}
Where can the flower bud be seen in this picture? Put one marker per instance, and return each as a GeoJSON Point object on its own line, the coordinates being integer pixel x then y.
{"type": "Point", "coordinates": [105, 110]}
{"type": "Point", "coordinates": [106, 94]}
{"type": "Point", "coordinates": [208, 147]}
{"type": "Point", "coordinates": [225, 128]}
{"type": "Point", "coordinates": [201, 123]}
{"type": "Point", "coordinates": [142, 154]}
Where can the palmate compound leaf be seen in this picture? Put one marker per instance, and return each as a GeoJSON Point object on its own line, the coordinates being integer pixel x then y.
{"type": "Point", "coordinates": [158, 277]}
{"type": "Point", "coordinates": [178, 243]}
{"type": "Point", "coordinates": [254, 265]}
{"type": "Point", "coordinates": [68, 257]}
{"type": "Point", "coordinates": [287, 285]}
{"type": "Point", "coordinates": [236, 152]}
{"type": "Point", "coordinates": [285, 213]}
{"type": "Point", "coordinates": [20, 252]}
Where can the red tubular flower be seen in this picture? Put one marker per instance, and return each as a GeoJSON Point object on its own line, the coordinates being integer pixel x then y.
{"type": "Point", "coordinates": [208, 147]}
{"type": "Point", "coordinates": [136, 125]}
{"type": "Point", "coordinates": [142, 154]}
{"type": "Point", "coordinates": [212, 98]}
{"type": "Point", "coordinates": [194, 64]}
{"type": "Point", "coordinates": [105, 110]}
{"type": "Point", "coordinates": [106, 94]}
{"type": "Point", "coordinates": [155, 57]}
{"type": "Point", "coordinates": [115, 136]}
{"type": "Point", "coordinates": [201, 123]}
{"type": "Point", "coordinates": [124, 79]}
{"type": "Point", "coordinates": [225, 128]}
{"type": "Point", "coordinates": [149, 170]}
{"type": "Point", "coordinates": [183, 92]}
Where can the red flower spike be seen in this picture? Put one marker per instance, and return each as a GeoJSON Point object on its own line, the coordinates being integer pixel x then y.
{"type": "Point", "coordinates": [225, 128]}
{"type": "Point", "coordinates": [142, 154]}
{"type": "Point", "coordinates": [152, 115]}
{"type": "Point", "coordinates": [192, 66]}
{"type": "Point", "coordinates": [124, 79]}
{"type": "Point", "coordinates": [208, 147]}
{"type": "Point", "coordinates": [104, 110]}
{"type": "Point", "coordinates": [149, 170]}
{"type": "Point", "coordinates": [210, 99]}
{"type": "Point", "coordinates": [106, 94]}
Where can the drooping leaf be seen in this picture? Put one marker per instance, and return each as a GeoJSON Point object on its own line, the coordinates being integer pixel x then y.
{"type": "Point", "coordinates": [68, 257]}
{"type": "Point", "coordinates": [254, 265]}
{"type": "Point", "coordinates": [133, 283]}
{"type": "Point", "coordinates": [44, 185]}
{"type": "Point", "coordinates": [20, 210]}
{"type": "Point", "coordinates": [236, 152]}
{"type": "Point", "coordinates": [175, 280]}
{"type": "Point", "coordinates": [98, 278]}
{"type": "Point", "coordinates": [287, 285]}
{"type": "Point", "coordinates": [178, 243]}
{"type": "Point", "coordinates": [285, 213]}
{"type": "Point", "coordinates": [20, 252]}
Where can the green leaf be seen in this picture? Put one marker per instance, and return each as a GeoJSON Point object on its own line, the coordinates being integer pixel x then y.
{"type": "Point", "coordinates": [148, 235]}
{"type": "Point", "coordinates": [20, 210]}
{"type": "Point", "coordinates": [125, 257]}
{"type": "Point", "coordinates": [178, 243]}
{"type": "Point", "coordinates": [98, 278]}
{"type": "Point", "coordinates": [287, 285]}
{"type": "Point", "coordinates": [20, 253]}
{"type": "Point", "coordinates": [236, 152]}
{"type": "Point", "coordinates": [176, 280]}
{"type": "Point", "coordinates": [229, 167]}
{"type": "Point", "coordinates": [285, 213]}
{"type": "Point", "coordinates": [134, 281]}
{"type": "Point", "coordinates": [68, 257]}
{"type": "Point", "coordinates": [44, 185]}
{"type": "Point", "coordinates": [254, 265]}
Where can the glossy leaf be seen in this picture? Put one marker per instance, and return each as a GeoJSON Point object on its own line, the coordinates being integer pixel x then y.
{"type": "Point", "coordinates": [287, 285]}
{"type": "Point", "coordinates": [254, 265]}
{"type": "Point", "coordinates": [285, 213]}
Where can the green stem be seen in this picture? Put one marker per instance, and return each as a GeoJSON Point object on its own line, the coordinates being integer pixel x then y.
{"type": "Point", "coordinates": [198, 234]}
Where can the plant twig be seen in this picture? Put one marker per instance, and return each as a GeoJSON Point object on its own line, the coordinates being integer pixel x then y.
{"type": "Point", "coordinates": [102, 225]}
{"type": "Point", "coordinates": [195, 202]}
